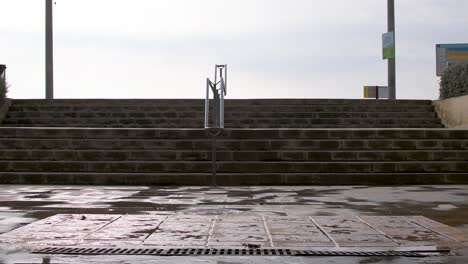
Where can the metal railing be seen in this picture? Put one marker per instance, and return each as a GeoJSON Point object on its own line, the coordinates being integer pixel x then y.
{"type": "Point", "coordinates": [218, 112]}
{"type": "Point", "coordinates": [218, 97]}
{"type": "Point", "coordinates": [3, 72]}
{"type": "Point", "coordinates": [3, 84]}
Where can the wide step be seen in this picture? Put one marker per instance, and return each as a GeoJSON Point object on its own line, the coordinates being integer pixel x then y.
{"type": "Point", "coordinates": [232, 179]}
{"type": "Point", "coordinates": [245, 156]}
{"type": "Point", "coordinates": [240, 113]}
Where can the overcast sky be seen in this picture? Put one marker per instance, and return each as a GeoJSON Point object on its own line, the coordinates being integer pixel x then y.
{"type": "Point", "coordinates": [274, 48]}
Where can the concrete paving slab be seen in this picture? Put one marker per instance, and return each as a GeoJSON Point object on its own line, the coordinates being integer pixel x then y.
{"type": "Point", "coordinates": [246, 237]}
{"type": "Point", "coordinates": [287, 219]}
{"type": "Point", "coordinates": [238, 228]}
{"type": "Point", "coordinates": [230, 230]}
{"type": "Point", "coordinates": [186, 227]}
{"type": "Point", "coordinates": [241, 218]}
{"type": "Point", "coordinates": [106, 243]}
{"type": "Point", "coordinates": [360, 240]}
{"type": "Point", "coordinates": [344, 226]}
{"type": "Point", "coordinates": [177, 244]}
{"type": "Point", "coordinates": [408, 232]}
{"type": "Point", "coordinates": [278, 228]}
{"type": "Point", "coordinates": [304, 238]}
{"type": "Point", "coordinates": [446, 231]}
{"type": "Point", "coordinates": [165, 236]}
{"type": "Point", "coordinates": [191, 218]}
{"type": "Point", "coordinates": [118, 234]}
{"type": "Point", "coordinates": [304, 245]}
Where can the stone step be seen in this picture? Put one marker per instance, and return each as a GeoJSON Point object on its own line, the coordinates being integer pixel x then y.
{"type": "Point", "coordinates": [205, 155]}
{"type": "Point", "coordinates": [183, 126]}
{"type": "Point", "coordinates": [229, 115]}
{"type": "Point", "coordinates": [241, 134]}
{"type": "Point", "coordinates": [232, 144]}
{"type": "Point", "coordinates": [281, 101]}
{"type": "Point", "coordinates": [232, 179]}
{"type": "Point", "coordinates": [276, 141]}
{"type": "Point", "coordinates": [254, 123]}
{"type": "Point", "coordinates": [234, 167]}
{"type": "Point", "coordinates": [240, 113]}
{"type": "Point", "coordinates": [228, 108]}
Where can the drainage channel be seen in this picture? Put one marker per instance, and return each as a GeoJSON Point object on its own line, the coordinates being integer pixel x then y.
{"type": "Point", "coordinates": [227, 252]}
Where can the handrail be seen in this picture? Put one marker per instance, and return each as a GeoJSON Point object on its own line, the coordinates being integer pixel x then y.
{"type": "Point", "coordinates": [218, 112]}
{"type": "Point", "coordinates": [221, 103]}
{"type": "Point", "coordinates": [3, 83]}
{"type": "Point", "coordinates": [218, 97]}
{"type": "Point", "coordinates": [2, 70]}
{"type": "Point", "coordinates": [207, 102]}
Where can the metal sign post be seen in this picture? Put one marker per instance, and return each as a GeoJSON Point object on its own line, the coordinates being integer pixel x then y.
{"type": "Point", "coordinates": [391, 61]}
{"type": "Point", "coordinates": [49, 52]}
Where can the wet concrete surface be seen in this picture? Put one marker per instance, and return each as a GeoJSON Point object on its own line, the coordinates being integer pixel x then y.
{"type": "Point", "coordinates": [242, 231]}
{"type": "Point", "coordinates": [21, 205]}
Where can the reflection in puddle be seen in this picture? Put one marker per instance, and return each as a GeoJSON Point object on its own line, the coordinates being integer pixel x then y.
{"type": "Point", "coordinates": [12, 219]}
{"type": "Point", "coordinates": [446, 204]}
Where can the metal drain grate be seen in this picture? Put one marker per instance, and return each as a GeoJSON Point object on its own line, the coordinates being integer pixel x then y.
{"type": "Point", "coordinates": [359, 253]}
{"type": "Point", "coordinates": [219, 252]}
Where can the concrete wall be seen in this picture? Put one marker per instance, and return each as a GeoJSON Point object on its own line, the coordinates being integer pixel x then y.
{"type": "Point", "coordinates": [453, 111]}
{"type": "Point", "coordinates": [4, 105]}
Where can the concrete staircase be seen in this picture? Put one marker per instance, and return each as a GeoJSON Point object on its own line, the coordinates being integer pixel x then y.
{"type": "Point", "coordinates": [246, 156]}
{"type": "Point", "coordinates": [255, 113]}
{"type": "Point", "coordinates": [298, 155]}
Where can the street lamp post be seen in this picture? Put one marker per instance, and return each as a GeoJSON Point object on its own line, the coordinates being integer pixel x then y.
{"type": "Point", "coordinates": [49, 52]}
{"type": "Point", "coordinates": [391, 62]}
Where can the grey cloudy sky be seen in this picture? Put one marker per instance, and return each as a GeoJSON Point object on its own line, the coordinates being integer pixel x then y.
{"type": "Point", "coordinates": [274, 48]}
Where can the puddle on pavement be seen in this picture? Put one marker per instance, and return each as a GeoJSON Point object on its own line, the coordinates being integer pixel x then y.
{"type": "Point", "coordinates": [447, 204]}
{"type": "Point", "coordinates": [12, 219]}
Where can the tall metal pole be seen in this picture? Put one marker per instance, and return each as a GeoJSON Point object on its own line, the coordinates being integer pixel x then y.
{"type": "Point", "coordinates": [391, 62]}
{"type": "Point", "coordinates": [49, 52]}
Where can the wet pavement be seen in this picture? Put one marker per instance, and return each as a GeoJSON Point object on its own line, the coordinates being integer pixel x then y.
{"type": "Point", "coordinates": [236, 231]}
{"type": "Point", "coordinates": [21, 205]}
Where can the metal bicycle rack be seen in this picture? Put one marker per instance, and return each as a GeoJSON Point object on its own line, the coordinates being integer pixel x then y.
{"type": "Point", "coordinates": [218, 87]}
